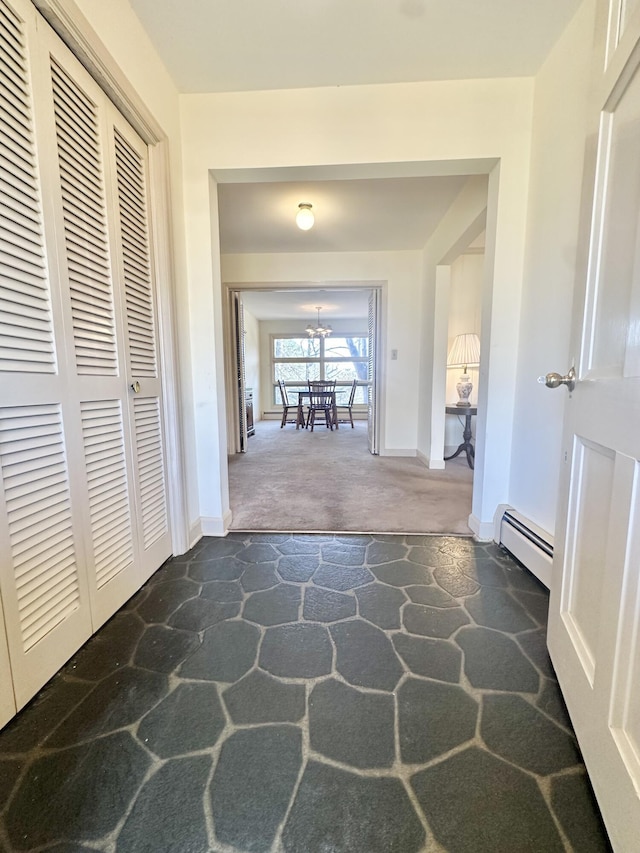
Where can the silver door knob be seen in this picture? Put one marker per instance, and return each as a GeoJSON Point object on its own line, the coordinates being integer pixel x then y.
{"type": "Point", "coordinates": [135, 387]}
{"type": "Point", "coordinates": [555, 380]}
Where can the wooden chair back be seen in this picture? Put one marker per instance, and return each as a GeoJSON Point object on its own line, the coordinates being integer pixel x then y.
{"type": "Point", "coordinates": [322, 399]}
{"type": "Point", "coordinates": [283, 393]}
{"type": "Point", "coordinates": [322, 385]}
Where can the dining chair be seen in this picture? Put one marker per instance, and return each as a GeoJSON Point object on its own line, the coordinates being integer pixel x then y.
{"type": "Point", "coordinates": [322, 384]}
{"type": "Point", "coordinates": [323, 402]}
{"type": "Point", "coordinates": [286, 405]}
{"type": "Point", "coordinates": [347, 408]}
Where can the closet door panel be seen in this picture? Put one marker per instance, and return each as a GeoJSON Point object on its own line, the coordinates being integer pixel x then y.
{"type": "Point", "coordinates": [7, 698]}
{"type": "Point", "coordinates": [83, 510]}
{"type": "Point", "coordinates": [133, 239]}
{"type": "Point", "coordinates": [95, 343]}
{"type": "Point", "coordinates": [43, 595]}
{"type": "Point", "coordinates": [43, 591]}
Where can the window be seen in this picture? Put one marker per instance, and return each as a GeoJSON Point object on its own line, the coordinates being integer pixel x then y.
{"type": "Point", "coordinates": [343, 358]}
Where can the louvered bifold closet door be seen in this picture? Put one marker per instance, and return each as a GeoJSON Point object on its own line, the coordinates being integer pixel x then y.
{"type": "Point", "coordinates": [238, 320]}
{"type": "Point", "coordinates": [372, 408]}
{"type": "Point", "coordinates": [44, 592]}
{"type": "Point", "coordinates": [96, 346]}
{"type": "Point", "coordinates": [129, 158]}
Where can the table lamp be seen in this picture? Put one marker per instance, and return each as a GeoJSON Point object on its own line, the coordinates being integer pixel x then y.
{"type": "Point", "coordinates": [464, 353]}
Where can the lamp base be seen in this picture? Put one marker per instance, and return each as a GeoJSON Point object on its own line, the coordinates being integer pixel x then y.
{"type": "Point", "coordinates": [464, 388]}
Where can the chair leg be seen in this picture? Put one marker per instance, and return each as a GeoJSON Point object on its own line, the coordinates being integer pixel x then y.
{"type": "Point", "coordinates": [284, 417]}
{"type": "Point", "coordinates": [351, 419]}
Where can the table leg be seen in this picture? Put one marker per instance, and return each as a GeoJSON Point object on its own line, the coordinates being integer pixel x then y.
{"type": "Point", "coordinates": [466, 445]}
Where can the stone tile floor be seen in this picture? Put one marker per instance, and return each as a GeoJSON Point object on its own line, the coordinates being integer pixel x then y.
{"type": "Point", "coordinates": [307, 694]}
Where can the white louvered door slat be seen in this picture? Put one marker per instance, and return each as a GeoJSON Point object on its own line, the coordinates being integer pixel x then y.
{"type": "Point", "coordinates": [102, 428]}
{"type": "Point", "coordinates": [134, 234]}
{"type": "Point", "coordinates": [150, 469]}
{"type": "Point", "coordinates": [26, 340]}
{"type": "Point", "coordinates": [85, 225]}
{"type": "Point", "coordinates": [44, 597]}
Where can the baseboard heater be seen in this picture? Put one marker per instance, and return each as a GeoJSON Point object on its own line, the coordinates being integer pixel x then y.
{"type": "Point", "coordinates": [528, 543]}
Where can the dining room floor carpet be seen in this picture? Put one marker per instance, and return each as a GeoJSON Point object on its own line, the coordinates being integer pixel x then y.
{"type": "Point", "coordinates": [327, 480]}
{"type": "Point", "coordinates": [307, 694]}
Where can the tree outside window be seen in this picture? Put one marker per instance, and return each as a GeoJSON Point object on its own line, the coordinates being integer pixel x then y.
{"type": "Point", "coordinates": [298, 360]}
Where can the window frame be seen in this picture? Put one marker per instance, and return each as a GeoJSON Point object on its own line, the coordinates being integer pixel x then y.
{"type": "Point", "coordinates": [321, 360]}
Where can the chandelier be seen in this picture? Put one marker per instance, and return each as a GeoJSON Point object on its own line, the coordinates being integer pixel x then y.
{"type": "Point", "coordinates": [318, 331]}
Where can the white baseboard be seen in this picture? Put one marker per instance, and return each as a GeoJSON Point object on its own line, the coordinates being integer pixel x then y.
{"type": "Point", "coordinates": [433, 464]}
{"type": "Point", "coordinates": [195, 533]}
{"type": "Point", "coordinates": [216, 526]}
{"type": "Point", "coordinates": [395, 451]}
{"type": "Point", "coordinates": [482, 530]}
{"type": "Point", "coordinates": [526, 541]}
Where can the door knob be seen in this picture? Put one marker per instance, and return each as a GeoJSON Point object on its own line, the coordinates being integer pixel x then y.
{"type": "Point", "coordinates": [135, 387]}
{"type": "Point", "coordinates": [554, 380]}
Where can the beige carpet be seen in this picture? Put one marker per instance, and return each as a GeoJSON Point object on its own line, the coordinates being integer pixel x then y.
{"type": "Point", "coordinates": [324, 481]}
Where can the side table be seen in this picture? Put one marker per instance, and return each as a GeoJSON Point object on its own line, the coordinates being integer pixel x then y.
{"type": "Point", "coordinates": [466, 446]}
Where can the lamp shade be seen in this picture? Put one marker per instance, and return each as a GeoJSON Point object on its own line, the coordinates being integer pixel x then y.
{"type": "Point", "coordinates": [465, 351]}
{"type": "Point", "coordinates": [304, 217]}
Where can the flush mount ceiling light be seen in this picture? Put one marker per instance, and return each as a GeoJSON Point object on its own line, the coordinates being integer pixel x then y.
{"type": "Point", "coordinates": [318, 331]}
{"type": "Point", "coordinates": [304, 216]}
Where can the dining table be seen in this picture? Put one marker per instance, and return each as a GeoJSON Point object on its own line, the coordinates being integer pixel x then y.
{"type": "Point", "coordinates": [302, 395]}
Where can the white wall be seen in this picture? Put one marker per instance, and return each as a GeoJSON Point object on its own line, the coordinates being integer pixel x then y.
{"type": "Point", "coordinates": [252, 360]}
{"type": "Point", "coordinates": [463, 222]}
{"type": "Point", "coordinates": [465, 295]}
{"type": "Point", "coordinates": [556, 172]}
{"type": "Point", "coordinates": [401, 273]}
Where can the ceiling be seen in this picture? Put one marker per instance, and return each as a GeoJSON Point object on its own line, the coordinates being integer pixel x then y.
{"type": "Point", "coordinates": [301, 304]}
{"type": "Point", "coordinates": [388, 214]}
{"type": "Point", "coordinates": [242, 45]}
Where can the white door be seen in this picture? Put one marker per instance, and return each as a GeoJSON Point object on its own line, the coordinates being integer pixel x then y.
{"type": "Point", "coordinates": [142, 374]}
{"type": "Point", "coordinates": [7, 697]}
{"type": "Point", "coordinates": [44, 592]}
{"type": "Point", "coordinates": [239, 367]}
{"type": "Point", "coordinates": [374, 336]}
{"type": "Point", "coordinates": [594, 621]}
{"type": "Point", "coordinates": [83, 517]}
{"type": "Point", "coordinates": [77, 194]}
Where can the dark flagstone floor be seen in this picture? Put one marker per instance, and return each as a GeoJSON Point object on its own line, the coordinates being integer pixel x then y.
{"type": "Point", "coordinates": [307, 694]}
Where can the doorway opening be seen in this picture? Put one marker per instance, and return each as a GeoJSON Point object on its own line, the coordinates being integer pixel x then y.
{"type": "Point", "coordinates": [260, 249]}
{"type": "Point", "coordinates": [267, 346]}
{"type": "Point", "coordinates": [288, 478]}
